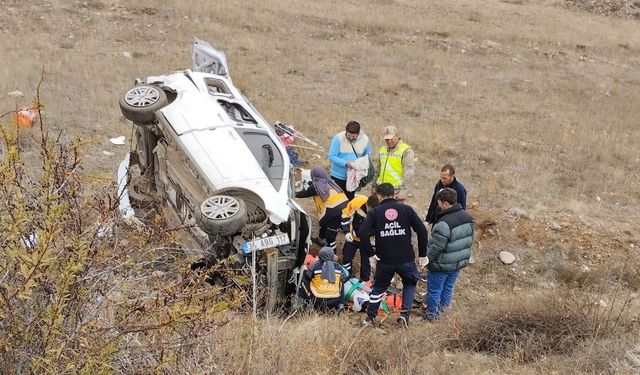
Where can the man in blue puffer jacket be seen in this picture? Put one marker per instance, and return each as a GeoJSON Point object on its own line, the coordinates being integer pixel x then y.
{"type": "Point", "coordinates": [448, 251]}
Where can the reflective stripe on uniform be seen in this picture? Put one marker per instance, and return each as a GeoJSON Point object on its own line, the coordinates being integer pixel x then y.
{"type": "Point", "coordinates": [375, 298]}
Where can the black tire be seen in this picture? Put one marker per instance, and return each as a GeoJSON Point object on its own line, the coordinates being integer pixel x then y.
{"type": "Point", "coordinates": [140, 103]}
{"type": "Point", "coordinates": [222, 215]}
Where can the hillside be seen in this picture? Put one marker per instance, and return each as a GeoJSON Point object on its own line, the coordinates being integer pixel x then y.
{"type": "Point", "coordinates": [535, 102]}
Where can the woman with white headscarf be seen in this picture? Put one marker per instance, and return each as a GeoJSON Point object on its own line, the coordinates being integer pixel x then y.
{"type": "Point", "coordinates": [330, 200]}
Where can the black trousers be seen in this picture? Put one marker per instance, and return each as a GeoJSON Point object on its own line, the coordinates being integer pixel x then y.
{"type": "Point", "coordinates": [343, 186]}
{"type": "Point", "coordinates": [348, 253]}
{"type": "Point", "coordinates": [329, 231]}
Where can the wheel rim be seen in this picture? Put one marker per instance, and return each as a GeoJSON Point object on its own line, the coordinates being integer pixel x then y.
{"type": "Point", "coordinates": [220, 207]}
{"type": "Point", "coordinates": [142, 96]}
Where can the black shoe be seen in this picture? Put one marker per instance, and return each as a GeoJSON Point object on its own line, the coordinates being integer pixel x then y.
{"type": "Point", "coordinates": [425, 316]}
{"type": "Point", "coordinates": [319, 241]}
{"type": "Point", "coordinates": [403, 321]}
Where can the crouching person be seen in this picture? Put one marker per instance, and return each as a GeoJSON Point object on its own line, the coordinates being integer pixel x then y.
{"type": "Point", "coordinates": [352, 217]}
{"type": "Point", "coordinates": [323, 282]}
{"type": "Point", "coordinates": [329, 200]}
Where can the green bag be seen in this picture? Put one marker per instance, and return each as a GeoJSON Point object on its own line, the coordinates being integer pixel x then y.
{"type": "Point", "coordinates": [371, 173]}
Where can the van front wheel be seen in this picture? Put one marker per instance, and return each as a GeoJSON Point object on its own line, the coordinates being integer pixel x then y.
{"type": "Point", "coordinates": [222, 215]}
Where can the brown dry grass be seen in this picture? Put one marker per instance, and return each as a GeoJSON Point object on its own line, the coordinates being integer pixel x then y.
{"type": "Point", "coordinates": [536, 106]}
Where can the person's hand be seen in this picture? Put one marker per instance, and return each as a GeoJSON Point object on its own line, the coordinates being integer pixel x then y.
{"type": "Point", "coordinates": [373, 261]}
{"type": "Point", "coordinates": [348, 237]}
{"type": "Point", "coordinates": [423, 261]}
{"type": "Point", "coordinates": [348, 165]}
{"type": "Point", "coordinates": [402, 195]}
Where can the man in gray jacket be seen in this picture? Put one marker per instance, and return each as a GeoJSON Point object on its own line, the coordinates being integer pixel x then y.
{"type": "Point", "coordinates": [448, 251]}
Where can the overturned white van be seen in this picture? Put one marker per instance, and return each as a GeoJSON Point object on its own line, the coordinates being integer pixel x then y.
{"type": "Point", "coordinates": [214, 163]}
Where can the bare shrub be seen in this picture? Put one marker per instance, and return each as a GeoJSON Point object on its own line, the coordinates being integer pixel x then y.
{"type": "Point", "coordinates": [572, 275]}
{"type": "Point", "coordinates": [526, 331]}
{"type": "Point", "coordinates": [627, 275]}
{"type": "Point", "coordinates": [630, 363]}
{"type": "Point", "coordinates": [79, 292]}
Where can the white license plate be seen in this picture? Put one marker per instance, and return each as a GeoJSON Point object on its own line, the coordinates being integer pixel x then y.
{"type": "Point", "coordinates": [265, 243]}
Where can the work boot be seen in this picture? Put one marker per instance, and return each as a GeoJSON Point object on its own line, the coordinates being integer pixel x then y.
{"type": "Point", "coordinates": [319, 241]}
{"type": "Point", "coordinates": [425, 315]}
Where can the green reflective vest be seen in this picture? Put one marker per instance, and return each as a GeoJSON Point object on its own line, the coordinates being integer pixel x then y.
{"type": "Point", "coordinates": [391, 164]}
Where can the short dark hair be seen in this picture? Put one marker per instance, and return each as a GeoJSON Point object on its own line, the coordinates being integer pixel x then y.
{"type": "Point", "coordinates": [372, 201]}
{"type": "Point", "coordinates": [353, 127]}
{"type": "Point", "coordinates": [447, 195]}
{"type": "Point", "coordinates": [386, 190]}
{"type": "Point", "coordinates": [450, 168]}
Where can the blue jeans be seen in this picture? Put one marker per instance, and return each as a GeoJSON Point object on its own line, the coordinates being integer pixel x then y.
{"type": "Point", "coordinates": [439, 291]}
{"type": "Point", "coordinates": [408, 272]}
{"type": "Point", "coordinates": [293, 157]}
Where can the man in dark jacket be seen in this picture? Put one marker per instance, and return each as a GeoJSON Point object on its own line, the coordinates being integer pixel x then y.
{"type": "Point", "coordinates": [447, 180]}
{"type": "Point", "coordinates": [391, 223]}
{"type": "Point", "coordinates": [449, 251]}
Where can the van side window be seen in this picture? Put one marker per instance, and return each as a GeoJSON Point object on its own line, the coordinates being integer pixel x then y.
{"type": "Point", "coordinates": [236, 112]}
{"type": "Point", "coordinates": [217, 87]}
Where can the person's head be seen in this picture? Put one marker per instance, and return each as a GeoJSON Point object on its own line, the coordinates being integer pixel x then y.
{"type": "Point", "coordinates": [352, 130]}
{"type": "Point", "coordinates": [318, 172]}
{"type": "Point", "coordinates": [447, 174]}
{"type": "Point", "coordinates": [372, 202]}
{"type": "Point", "coordinates": [446, 198]}
{"type": "Point", "coordinates": [326, 254]}
{"type": "Point", "coordinates": [385, 190]}
{"type": "Point", "coordinates": [391, 137]}
{"type": "Point", "coordinates": [278, 127]}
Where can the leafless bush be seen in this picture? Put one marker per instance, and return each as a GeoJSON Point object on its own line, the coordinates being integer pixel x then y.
{"type": "Point", "coordinates": [531, 330]}
{"type": "Point", "coordinates": [630, 364]}
{"type": "Point", "coordinates": [79, 292]}
{"type": "Point", "coordinates": [627, 275]}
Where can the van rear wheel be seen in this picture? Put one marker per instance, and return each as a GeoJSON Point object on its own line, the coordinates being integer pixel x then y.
{"type": "Point", "coordinates": [140, 103]}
